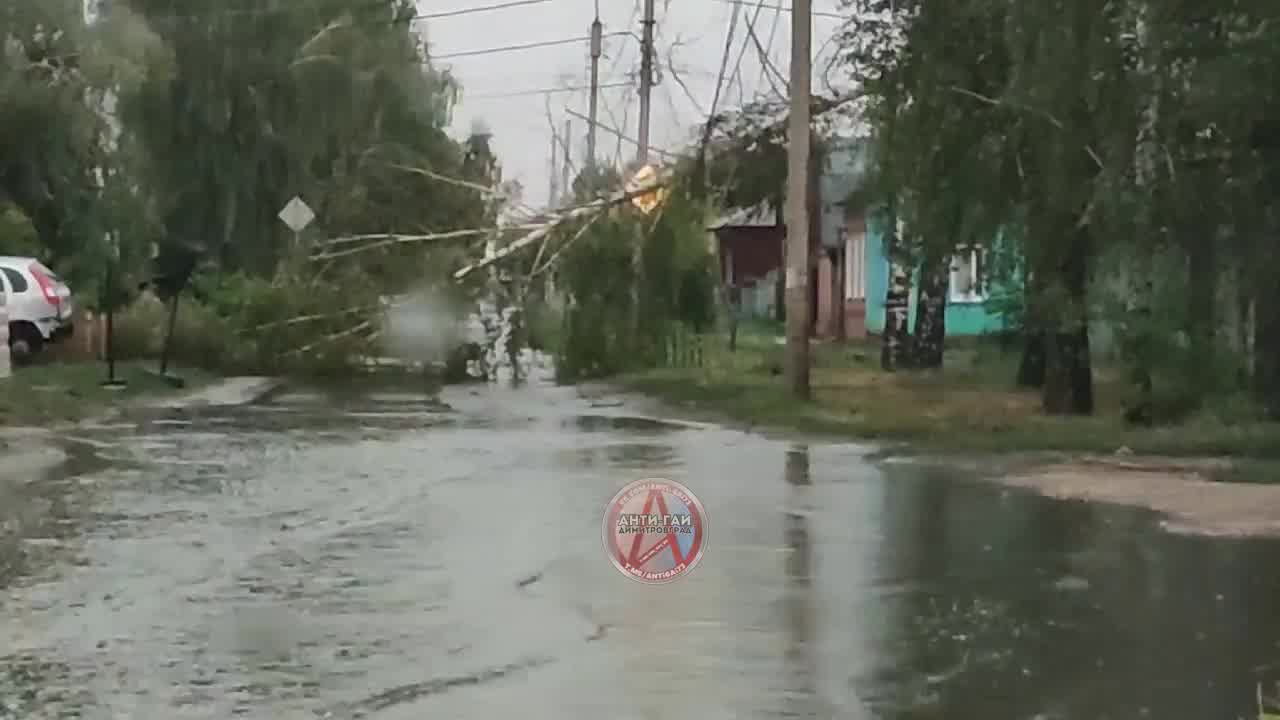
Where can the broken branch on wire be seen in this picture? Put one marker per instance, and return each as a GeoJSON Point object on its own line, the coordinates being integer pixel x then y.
{"type": "Point", "coordinates": [393, 239]}
{"type": "Point", "coordinates": [554, 221]}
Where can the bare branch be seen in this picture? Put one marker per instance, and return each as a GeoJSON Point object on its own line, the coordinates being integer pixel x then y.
{"type": "Point", "coordinates": [407, 238]}
{"type": "Point", "coordinates": [389, 238]}
{"type": "Point", "coordinates": [1020, 106]}
{"type": "Point", "coordinates": [556, 219]}
{"type": "Point", "coordinates": [308, 318]}
{"type": "Point", "coordinates": [330, 338]}
{"type": "Point", "coordinates": [556, 255]}
{"type": "Point", "coordinates": [767, 63]}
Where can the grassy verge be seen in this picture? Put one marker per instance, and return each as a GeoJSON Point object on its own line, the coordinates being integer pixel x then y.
{"type": "Point", "coordinates": [972, 405]}
{"type": "Point", "coordinates": [64, 391]}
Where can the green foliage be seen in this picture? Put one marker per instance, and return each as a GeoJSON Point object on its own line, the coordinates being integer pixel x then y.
{"type": "Point", "coordinates": [603, 332]}
{"type": "Point", "coordinates": [245, 324]}
{"type": "Point", "coordinates": [50, 139]}
{"type": "Point", "coordinates": [1126, 149]}
{"type": "Point", "coordinates": [319, 99]}
{"type": "Point", "coordinates": [221, 112]}
{"type": "Point", "coordinates": [17, 236]}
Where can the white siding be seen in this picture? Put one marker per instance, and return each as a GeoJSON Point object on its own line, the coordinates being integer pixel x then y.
{"type": "Point", "coordinates": [855, 262]}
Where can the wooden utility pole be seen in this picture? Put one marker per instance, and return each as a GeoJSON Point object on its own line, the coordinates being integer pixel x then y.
{"type": "Point", "coordinates": [597, 49]}
{"type": "Point", "coordinates": [566, 184]}
{"type": "Point", "coordinates": [642, 159]}
{"type": "Point", "coordinates": [552, 200]}
{"type": "Point", "coordinates": [646, 80]}
{"type": "Point", "coordinates": [797, 255]}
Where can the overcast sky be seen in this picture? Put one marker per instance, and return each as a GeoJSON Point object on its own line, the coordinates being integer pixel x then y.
{"type": "Point", "coordinates": [689, 32]}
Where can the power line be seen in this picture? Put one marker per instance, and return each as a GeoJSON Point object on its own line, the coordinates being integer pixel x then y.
{"type": "Point", "coordinates": [542, 91]}
{"type": "Point", "coordinates": [765, 62]}
{"type": "Point", "coordinates": [482, 8]}
{"type": "Point", "coordinates": [372, 6]}
{"type": "Point", "coordinates": [737, 65]}
{"type": "Point", "coordinates": [618, 134]}
{"type": "Point", "coordinates": [779, 8]}
{"type": "Point", "coordinates": [517, 48]}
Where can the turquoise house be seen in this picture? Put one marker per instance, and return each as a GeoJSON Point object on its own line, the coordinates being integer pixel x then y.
{"type": "Point", "coordinates": [970, 308]}
{"type": "Point", "coordinates": [860, 264]}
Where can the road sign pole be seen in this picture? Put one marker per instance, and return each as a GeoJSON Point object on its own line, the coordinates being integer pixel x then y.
{"type": "Point", "coordinates": [110, 296]}
{"type": "Point", "coordinates": [297, 215]}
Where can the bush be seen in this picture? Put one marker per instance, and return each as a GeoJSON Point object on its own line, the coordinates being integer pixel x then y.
{"type": "Point", "coordinates": [239, 323]}
{"type": "Point", "coordinates": [201, 338]}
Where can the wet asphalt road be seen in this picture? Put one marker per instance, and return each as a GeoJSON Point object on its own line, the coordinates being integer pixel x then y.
{"type": "Point", "coordinates": [388, 555]}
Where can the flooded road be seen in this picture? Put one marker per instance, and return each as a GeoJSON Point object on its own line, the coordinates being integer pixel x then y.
{"type": "Point", "coordinates": [388, 555]}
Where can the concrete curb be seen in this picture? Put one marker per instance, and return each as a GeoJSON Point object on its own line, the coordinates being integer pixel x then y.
{"type": "Point", "coordinates": [28, 453]}
{"type": "Point", "coordinates": [228, 391]}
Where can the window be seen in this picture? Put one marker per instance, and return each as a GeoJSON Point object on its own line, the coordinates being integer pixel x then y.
{"type": "Point", "coordinates": [16, 281]}
{"type": "Point", "coordinates": [855, 246]}
{"type": "Point", "coordinates": [968, 281]}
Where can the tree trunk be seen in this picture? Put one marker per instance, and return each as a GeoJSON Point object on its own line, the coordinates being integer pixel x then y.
{"type": "Point", "coordinates": [780, 287]}
{"type": "Point", "coordinates": [1245, 326]}
{"type": "Point", "coordinates": [1031, 369]}
{"type": "Point", "coordinates": [167, 348]}
{"type": "Point", "coordinates": [1141, 332]}
{"type": "Point", "coordinates": [895, 348]}
{"type": "Point", "coordinates": [929, 340]}
{"type": "Point", "coordinates": [1266, 346]}
{"type": "Point", "coordinates": [1202, 311]}
{"type": "Point", "coordinates": [1068, 386]}
{"type": "Point", "coordinates": [835, 318]}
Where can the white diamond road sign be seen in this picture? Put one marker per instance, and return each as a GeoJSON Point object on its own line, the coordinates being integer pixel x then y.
{"type": "Point", "coordinates": [297, 214]}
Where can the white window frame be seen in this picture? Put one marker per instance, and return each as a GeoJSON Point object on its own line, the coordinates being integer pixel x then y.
{"type": "Point", "coordinates": [855, 261]}
{"type": "Point", "coordinates": [975, 256]}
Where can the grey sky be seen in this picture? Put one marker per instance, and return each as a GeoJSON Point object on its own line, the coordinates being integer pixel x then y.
{"type": "Point", "coordinates": [690, 32]}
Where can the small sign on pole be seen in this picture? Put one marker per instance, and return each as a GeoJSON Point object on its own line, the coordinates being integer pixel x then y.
{"type": "Point", "coordinates": [297, 215]}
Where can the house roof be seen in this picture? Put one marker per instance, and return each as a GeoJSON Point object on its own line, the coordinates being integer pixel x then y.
{"type": "Point", "coordinates": [761, 215]}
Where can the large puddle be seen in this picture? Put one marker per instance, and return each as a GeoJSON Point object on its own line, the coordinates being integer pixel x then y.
{"type": "Point", "coordinates": [389, 555]}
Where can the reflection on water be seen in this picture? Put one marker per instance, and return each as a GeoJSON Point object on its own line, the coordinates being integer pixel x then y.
{"type": "Point", "coordinates": [313, 557]}
{"type": "Point", "coordinates": [800, 695]}
{"type": "Point", "coordinates": [1032, 608]}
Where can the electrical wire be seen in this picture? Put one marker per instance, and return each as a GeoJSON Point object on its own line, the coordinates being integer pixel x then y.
{"type": "Point", "coordinates": [542, 91]}
{"type": "Point", "coordinates": [737, 65]}
{"type": "Point", "coordinates": [480, 9]}
{"type": "Point", "coordinates": [608, 107]}
{"type": "Point", "coordinates": [781, 9]}
{"type": "Point", "coordinates": [517, 48]}
{"type": "Point", "coordinates": [767, 62]}
{"type": "Point", "coordinates": [724, 60]}
{"type": "Point", "coordinates": [773, 34]}
{"type": "Point", "coordinates": [372, 6]}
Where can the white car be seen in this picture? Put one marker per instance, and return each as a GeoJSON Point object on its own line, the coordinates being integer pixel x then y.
{"type": "Point", "coordinates": [38, 302]}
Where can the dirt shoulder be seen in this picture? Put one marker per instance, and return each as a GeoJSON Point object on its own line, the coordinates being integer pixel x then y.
{"type": "Point", "coordinates": [972, 410]}
{"type": "Point", "coordinates": [971, 406]}
{"type": "Point", "coordinates": [47, 399]}
{"type": "Point", "coordinates": [60, 392]}
{"type": "Point", "coordinates": [1183, 491]}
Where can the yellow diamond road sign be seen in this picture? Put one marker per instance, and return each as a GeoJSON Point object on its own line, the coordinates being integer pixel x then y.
{"type": "Point", "coordinates": [645, 177]}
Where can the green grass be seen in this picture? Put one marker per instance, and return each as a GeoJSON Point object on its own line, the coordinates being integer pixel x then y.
{"type": "Point", "coordinates": [67, 391]}
{"type": "Point", "coordinates": [972, 405]}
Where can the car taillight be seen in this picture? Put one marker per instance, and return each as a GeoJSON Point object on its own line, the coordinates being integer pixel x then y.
{"type": "Point", "coordinates": [46, 285]}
